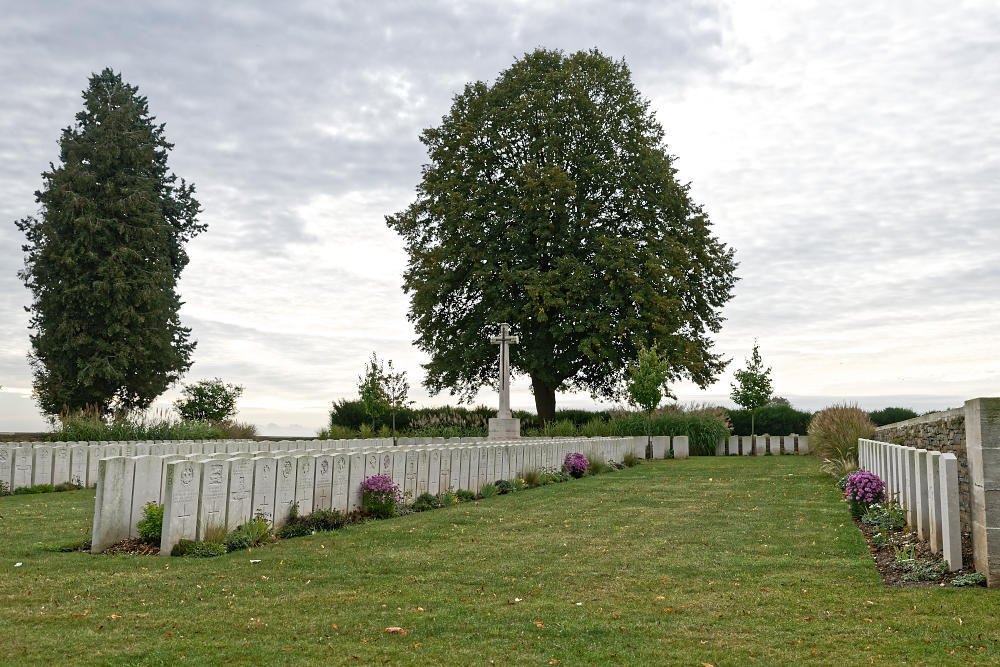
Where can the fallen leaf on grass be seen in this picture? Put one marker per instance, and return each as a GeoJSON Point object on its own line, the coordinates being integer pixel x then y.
{"type": "Point", "coordinates": [397, 631]}
{"type": "Point", "coordinates": [539, 624]}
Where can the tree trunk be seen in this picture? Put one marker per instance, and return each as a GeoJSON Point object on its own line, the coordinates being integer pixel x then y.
{"type": "Point", "coordinates": [545, 400]}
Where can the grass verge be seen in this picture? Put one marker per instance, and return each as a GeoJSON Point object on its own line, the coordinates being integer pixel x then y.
{"type": "Point", "coordinates": [719, 560]}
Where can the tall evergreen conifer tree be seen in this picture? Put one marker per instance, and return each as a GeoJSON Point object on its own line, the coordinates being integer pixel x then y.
{"type": "Point", "coordinates": [103, 257]}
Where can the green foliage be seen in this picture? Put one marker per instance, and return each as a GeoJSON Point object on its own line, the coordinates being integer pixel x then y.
{"type": "Point", "coordinates": [839, 467]}
{"type": "Point", "coordinates": [371, 390]}
{"type": "Point", "coordinates": [252, 533]}
{"type": "Point", "coordinates": [647, 382]}
{"type": "Point", "coordinates": [4, 489]}
{"type": "Point", "coordinates": [904, 557]}
{"type": "Point", "coordinates": [465, 495]}
{"type": "Point", "coordinates": [771, 419]}
{"type": "Point", "coordinates": [558, 429]}
{"type": "Point", "coordinates": [488, 490]}
{"type": "Point", "coordinates": [66, 486]}
{"type": "Point", "coordinates": [834, 432]}
{"type": "Point", "coordinates": [103, 258]}
{"type": "Point", "coordinates": [150, 526]}
{"type": "Point", "coordinates": [29, 490]}
{"type": "Point", "coordinates": [752, 389]}
{"type": "Point", "coordinates": [325, 520]}
{"type": "Point", "coordinates": [586, 242]}
{"type": "Point", "coordinates": [532, 478]}
{"type": "Point", "coordinates": [926, 571]}
{"type": "Point", "coordinates": [86, 426]}
{"type": "Point", "coordinates": [596, 465]}
{"type": "Point", "coordinates": [208, 400]}
{"type": "Point", "coordinates": [192, 549]}
{"type": "Point", "coordinates": [397, 391]}
{"type": "Point", "coordinates": [630, 460]}
{"type": "Point", "coordinates": [448, 498]}
{"type": "Point", "coordinates": [336, 432]}
{"type": "Point", "coordinates": [234, 430]}
{"type": "Point", "coordinates": [970, 579]}
{"type": "Point", "coordinates": [888, 516]}
{"type": "Point", "coordinates": [425, 501]}
{"type": "Point", "coordinates": [503, 486]}
{"type": "Point", "coordinates": [891, 415]}
{"type": "Point", "coordinates": [294, 529]}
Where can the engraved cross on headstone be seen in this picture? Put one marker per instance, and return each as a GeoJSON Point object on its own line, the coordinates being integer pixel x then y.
{"type": "Point", "coordinates": [504, 340]}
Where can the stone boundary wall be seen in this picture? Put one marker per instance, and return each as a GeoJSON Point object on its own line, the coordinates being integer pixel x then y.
{"type": "Point", "coordinates": [940, 432]}
{"type": "Point", "coordinates": [201, 491]}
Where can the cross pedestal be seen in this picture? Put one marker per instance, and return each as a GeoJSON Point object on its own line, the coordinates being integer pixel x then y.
{"type": "Point", "coordinates": [504, 426]}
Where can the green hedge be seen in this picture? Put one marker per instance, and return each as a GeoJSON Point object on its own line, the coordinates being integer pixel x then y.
{"type": "Point", "coordinates": [772, 419]}
{"type": "Point", "coordinates": [89, 429]}
{"type": "Point", "coordinates": [891, 415]}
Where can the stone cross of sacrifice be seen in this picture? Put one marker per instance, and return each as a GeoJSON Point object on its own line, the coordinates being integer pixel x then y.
{"type": "Point", "coordinates": [503, 340]}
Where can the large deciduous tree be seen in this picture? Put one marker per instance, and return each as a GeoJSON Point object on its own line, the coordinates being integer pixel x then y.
{"type": "Point", "coordinates": [550, 202]}
{"type": "Point", "coordinates": [103, 257]}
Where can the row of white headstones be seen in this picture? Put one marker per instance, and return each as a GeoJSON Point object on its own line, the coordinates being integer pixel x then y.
{"type": "Point", "coordinates": [26, 464]}
{"type": "Point", "coordinates": [925, 483]}
{"type": "Point", "coordinates": [202, 493]}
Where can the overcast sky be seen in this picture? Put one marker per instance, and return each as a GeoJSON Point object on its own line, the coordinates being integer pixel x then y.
{"type": "Point", "coordinates": [848, 151]}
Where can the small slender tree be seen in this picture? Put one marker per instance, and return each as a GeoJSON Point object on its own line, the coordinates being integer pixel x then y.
{"type": "Point", "coordinates": [397, 391]}
{"type": "Point", "coordinates": [752, 389]}
{"type": "Point", "coordinates": [371, 389]}
{"type": "Point", "coordinates": [647, 385]}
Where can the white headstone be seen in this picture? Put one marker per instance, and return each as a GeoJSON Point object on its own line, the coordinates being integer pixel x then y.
{"type": "Point", "coordinates": [180, 504]}
{"type": "Point", "coordinates": [681, 447]}
{"type": "Point", "coordinates": [423, 472]}
{"type": "Point", "coordinates": [147, 473]}
{"type": "Point", "coordinates": [41, 469]}
{"type": "Point", "coordinates": [922, 500]}
{"type": "Point", "coordinates": [934, 499]}
{"type": "Point", "coordinates": [951, 527]}
{"type": "Point", "coordinates": [434, 471]}
{"type": "Point", "coordinates": [111, 505]}
{"type": "Point", "coordinates": [323, 495]}
{"type": "Point", "coordinates": [465, 473]}
{"type": "Point", "coordinates": [6, 466]}
{"type": "Point", "coordinates": [341, 474]}
{"type": "Point", "coordinates": [214, 498]}
{"type": "Point", "coordinates": [660, 445]}
{"type": "Point", "coordinates": [77, 465]}
{"type": "Point", "coordinates": [239, 501]}
{"type": "Point", "coordinates": [60, 464]}
{"type": "Point", "coordinates": [265, 475]}
{"type": "Point", "coordinates": [409, 487]}
{"type": "Point", "coordinates": [455, 483]}
{"type": "Point", "coordinates": [356, 477]}
{"type": "Point", "coordinates": [305, 483]}
{"type": "Point", "coordinates": [284, 489]}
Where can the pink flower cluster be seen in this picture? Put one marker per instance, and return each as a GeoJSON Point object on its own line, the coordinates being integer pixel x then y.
{"type": "Point", "coordinates": [575, 464]}
{"type": "Point", "coordinates": [865, 487]}
{"type": "Point", "coordinates": [380, 488]}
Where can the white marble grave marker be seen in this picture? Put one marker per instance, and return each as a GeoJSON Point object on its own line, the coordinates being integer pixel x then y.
{"type": "Point", "coordinates": [180, 506]}
{"type": "Point", "coordinates": [214, 497]}
{"type": "Point", "coordinates": [239, 502]}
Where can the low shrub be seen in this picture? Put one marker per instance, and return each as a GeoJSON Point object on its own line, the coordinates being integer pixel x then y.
{"type": "Point", "coordinates": [839, 467]}
{"type": "Point", "coordinates": [630, 460]}
{"type": "Point", "coordinates": [379, 496]}
{"type": "Point", "coordinates": [834, 432]}
{"type": "Point", "coordinates": [448, 498]}
{"type": "Point", "coordinates": [336, 432]}
{"type": "Point", "coordinates": [970, 579]}
{"type": "Point", "coordinates": [488, 490]}
{"type": "Point", "coordinates": [886, 516]}
{"type": "Point", "coordinates": [150, 526]}
{"type": "Point", "coordinates": [561, 476]}
{"type": "Point", "coordinates": [503, 486]}
{"type": "Point", "coordinates": [596, 465]}
{"type": "Point", "coordinates": [464, 495]}
{"type": "Point", "coordinates": [192, 549]}
{"type": "Point", "coordinates": [253, 533]}
{"type": "Point", "coordinates": [296, 528]}
{"type": "Point", "coordinates": [234, 430]}
{"type": "Point", "coordinates": [862, 490]}
{"type": "Point", "coordinates": [926, 571]}
{"type": "Point", "coordinates": [425, 501]}
{"type": "Point", "coordinates": [575, 464]}
{"type": "Point", "coordinates": [891, 415]}
{"type": "Point", "coordinates": [90, 426]}
{"type": "Point", "coordinates": [38, 488]}
{"type": "Point", "coordinates": [517, 484]}
{"type": "Point", "coordinates": [326, 520]}
{"type": "Point", "coordinates": [532, 478]}
{"type": "Point", "coordinates": [4, 489]}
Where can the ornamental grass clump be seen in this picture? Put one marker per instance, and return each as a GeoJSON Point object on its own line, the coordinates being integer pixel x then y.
{"type": "Point", "coordinates": [575, 464]}
{"type": "Point", "coordinates": [834, 432]}
{"type": "Point", "coordinates": [862, 490]}
{"type": "Point", "coordinates": [379, 496]}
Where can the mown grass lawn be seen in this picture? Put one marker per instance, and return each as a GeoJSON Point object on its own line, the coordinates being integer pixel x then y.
{"type": "Point", "coordinates": [714, 560]}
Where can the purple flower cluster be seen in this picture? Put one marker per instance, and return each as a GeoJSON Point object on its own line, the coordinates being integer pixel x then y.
{"type": "Point", "coordinates": [575, 464]}
{"type": "Point", "coordinates": [380, 488]}
{"type": "Point", "coordinates": [865, 487]}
